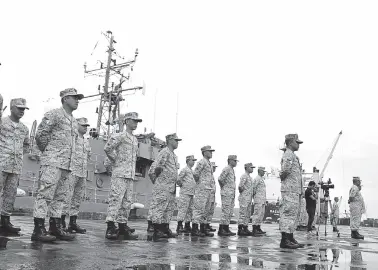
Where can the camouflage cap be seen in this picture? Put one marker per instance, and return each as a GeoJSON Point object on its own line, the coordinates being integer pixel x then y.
{"type": "Point", "coordinates": [133, 116]}
{"type": "Point", "coordinates": [249, 165]}
{"type": "Point", "coordinates": [70, 92]}
{"type": "Point", "coordinates": [82, 121]}
{"type": "Point", "coordinates": [233, 157]}
{"type": "Point", "coordinates": [190, 158]}
{"type": "Point", "coordinates": [261, 169]}
{"type": "Point", "coordinates": [355, 178]}
{"type": "Point", "coordinates": [207, 148]}
{"type": "Point", "coordinates": [213, 164]}
{"type": "Point", "coordinates": [292, 137]}
{"type": "Point", "coordinates": [19, 103]}
{"type": "Point", "coordinates": [172, 136]}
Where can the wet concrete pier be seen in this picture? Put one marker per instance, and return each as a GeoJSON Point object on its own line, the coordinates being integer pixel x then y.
{"type": "Point", "coordinates": [93, 251]}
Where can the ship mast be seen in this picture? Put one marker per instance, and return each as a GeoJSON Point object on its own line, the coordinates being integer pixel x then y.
{"type": "Point", "coordinates": [109, 108]}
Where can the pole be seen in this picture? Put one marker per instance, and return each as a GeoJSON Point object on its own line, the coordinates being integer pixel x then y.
{"type": "Point", "coordinates": [329, 157]}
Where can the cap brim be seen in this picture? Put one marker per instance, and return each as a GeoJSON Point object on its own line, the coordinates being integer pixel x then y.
{"type": "Point", "coordinates": [85, 125]}
{"type": "Point", "coordinates": [137, 119]}
{"type": "Point", "coordinates": [299, 141]}
{"type": "Point", "coordinates": [80, 96]}
{"type": "Point", "coordinates": [178, 140]}
{"type": "Point", "coordinates": [23, 107]}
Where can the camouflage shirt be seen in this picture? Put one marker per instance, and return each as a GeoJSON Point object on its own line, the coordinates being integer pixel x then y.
{"type": "Point", "coordinates": [56, 138]}
{"type": "Point", "coordinates": [82, 155]}
{"type": "Point", "coordinates": [259, 190]}
{"type": "Point", "coordinates": [14, 143]}
{"type": "Point", "coordinates": [1, 107]}
{"type": "Point", "coordinates": [245, 184]}
{"type": "Point", "coordinates": [227, 179]}
{"type": "Point", "coordinates": [204, 174]}
{"type": "Point", "coordinates": [122, 150]}
{"type": "Point", "coordinates": [186, 181]}
{"type": "Point", "coordinates": [290, 165]}
{"type": "Point", "coordinates": [167, 160]}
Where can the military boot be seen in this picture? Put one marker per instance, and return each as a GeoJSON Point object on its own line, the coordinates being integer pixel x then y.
{"type": "Point", "coordinates": [247, 230]}
{"type": "Point", "coordinates": [222, 230]}
{"type": "Point", "coordinates": [56, 229]}
{"type": "Point", "coordinates": [159, 231]}
{"type": "Point", "coordinates": [64, 225]}
{"type": "Point", "coordinates": [196, 231]}
{"type": "Point", "coordinates": [230, 233]}
{"type": "Point", "coordinates": [259, 229]}
{"type": "Point", "coordinates": [168, 231]}
{"type": "Point", "coordinates": [241, 230]}
{"type": "Point", "coordinates": [286, 243]}
{"type": "Point", "coordinates": [180, 228]}
{"type": "Point", "coordinates": [291, 238]}
{"type": "Point", "coordinates": [6, 226]}
{"type": "Point", "coordinates": [74, 227]}
{"type": "Point", "coordinates": [356, 235]}
{"type": "Point", "coordinates": [210, 228]}
{"type": "Point", "coordinates": [255, 231]}
{"type": "Point", "coordinates": [150, 227]}
{"type": "Point", "coordinates": [39, 233]}
{"type": "Point", "coordinates": [124, 230]}
{"type": "Point", "coordinates": [204, 231]}
{"type": "Point", "coordinates": [187, 228]}
{"type": "Point", "coordinates": [111, 231]}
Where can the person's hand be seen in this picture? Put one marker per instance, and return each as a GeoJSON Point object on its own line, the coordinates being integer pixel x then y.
{"type": "Point", "coordinates": [158, 171]}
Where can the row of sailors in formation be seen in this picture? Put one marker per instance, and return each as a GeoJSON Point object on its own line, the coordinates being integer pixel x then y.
{"type": "Point", "coordinates": [61, 185]}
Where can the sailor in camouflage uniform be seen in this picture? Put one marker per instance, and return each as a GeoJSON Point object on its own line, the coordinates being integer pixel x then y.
{"type": "Point", "coordinates": [56, 138]}
{"type": "Point", "coordinates": [259, 200]}
{"type": "Point", "coordinates": [212, 203]}
{"type": "Point", "coordinates": [1, 107]}
{"type": "Point", "coordinates": [78, 177]}
{"type": "Point", "coordinates": [335, 214]}
{"type": "Point", "coordinates": [203, 174]}
{"type": "Point", "coordinates": [291, 192]}
{"type": "Point", "coordinates": [122, 149]}
{"type": "Point", "coordinates": [356, 207]}
{"type": "Point", "coordinates": [14, 143]}
{"type": "Point", "coordinates": [164, 173]}
{"type": "Point", "coordinates": [245, 200]}
{"type": "Point", "coordinates": [227, 184]}
{"type": "Point", "coordinates": [187, 185]}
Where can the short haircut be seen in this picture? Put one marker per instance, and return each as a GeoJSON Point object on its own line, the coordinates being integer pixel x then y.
{"type": "Point", "coordinates": [312, 183]}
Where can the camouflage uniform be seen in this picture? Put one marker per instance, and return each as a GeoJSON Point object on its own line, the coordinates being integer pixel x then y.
{"type": "Point", "coordinates": [164, 190]}
{"type": "Point", "coordinates": [245, 199]}
{"type": "Point", "coordinates": [335, 214]}
{"type": "Point", "coordinates": [303, 216]}
{"type": "Point", "coordinates": [227, 183]}
{"type": "Point", "coordinates": [78, 176]}
{"type": "Point", "coordinates": [56, 138]}
{"type": "Point", "coordinates": [14, 143]}
{"type": "Point", "coordinates": [291, 192]}
{"type": "Point", "coordinates": [187, 185]}
{"type": "Point", "coordinates": [210, 213]}
{"type": "Point", "coordinates": [123, 149]}
{"type": "Point", "coordinates": [356, 208]}
{"type": "Point", "coordinates": [259, 199]}
{"type": "Point", "coordinates": [1, 107]}
{"type": "Point", "coordinates": [205, 186]}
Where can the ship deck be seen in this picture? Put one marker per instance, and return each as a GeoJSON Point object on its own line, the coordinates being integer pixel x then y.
{"type": "Point", "coordinates": [93, 251]}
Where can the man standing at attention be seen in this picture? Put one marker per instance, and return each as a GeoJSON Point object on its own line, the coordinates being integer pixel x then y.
{"type": "Point", "coordinates": [291, 192]}
{"type": "Point", "coordinates": [259, 199]}
{"type": "Point", "coordinates": [56, 138]}
{"type": "Point", "coordinates": [245, 200]}
{"type": "Point", "coordinates": [122, 149]}
{"type": "Point", "coordinates": [356, 207]}
{"type": "Point", "coordinates": [335, 213]}
{"type": "Point", "coordinates": [212, 202]}
{"type": "Point", "coordinates": [14, 143]}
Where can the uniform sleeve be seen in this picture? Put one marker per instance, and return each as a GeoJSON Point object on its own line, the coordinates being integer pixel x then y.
{"type": "Point", "coordinates": [26, 144]}
{"type": "Point", "coordinates": [242, 182]}
{"type": "Point", "coordinates": [181, 177]}
{"type": "Point", "coordinates": [1, 107]}
{"type": "Point", "coordinates": [223, 176]}
{"type": "Point", "coordinates": [287, 163]}
{"type": "Point", "coordinates": [198, 170]}
{"type": "Point", "coordinates": [162, 159]}
{"type": "Point", "coordinates": [89, 151]}
{"type": "Point", "coordinates": [111, 145]}
{"type": "Point", "coordinates": [44, 130]}
{"type": "Point", "coordinates": [353, 192]}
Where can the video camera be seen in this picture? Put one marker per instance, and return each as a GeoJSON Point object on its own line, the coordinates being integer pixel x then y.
{"type": "Point", "coordinates": [327, 186]}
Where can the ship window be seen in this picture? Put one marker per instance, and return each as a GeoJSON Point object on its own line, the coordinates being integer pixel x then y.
{"type": "Point", "coordinates": [140, 169]}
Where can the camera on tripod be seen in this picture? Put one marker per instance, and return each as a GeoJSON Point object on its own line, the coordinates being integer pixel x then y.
{"type": "Point", "coordinates": [327, 186]}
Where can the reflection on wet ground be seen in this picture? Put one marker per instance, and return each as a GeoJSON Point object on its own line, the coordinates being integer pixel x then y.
{"type": "Point", "coordinates": [92, 251]}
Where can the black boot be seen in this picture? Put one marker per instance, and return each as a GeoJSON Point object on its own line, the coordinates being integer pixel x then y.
{"type": "Point", "coordinates": [40, 234]}
{"type": "Point", "coordinates": [204, 231]}
{"type": "Point", "coordinates": [150, 227]}
{"type": "Point", "coordinates": [73, 227]}
{"type": "Point", "coordinates": [6, 226]}
{"type": "Point", "coordinates": [64, 225]}
{"type": "Point", "coordinates": [55, 229]}
{"type": "Point", "coordinates": [291, 238]}
{"type": "Point", "coordinates": [230, 233]}
{"type": "Point", "coordinates": [168, 231]}
{"type": "Point", "coordinates": [111, 231]}
{"type": "Point", "coordinates": [180, 228]}
{"type": "Point", "coordinates": [159, 231]}
{"type": "Point", "coordinates": [196, 231]}
{"type": "Point", "coordinates": [242, 231]}
{"type": "Point", "coordinates": [286, 243]}
{"type": "Point", "coordinates": [210, 228]}
{"type": "Point", "coordinates": [356, 235]}
{"type": "Point", "coordinates": [124, 230]}
{"type": "Point", "coordinates": [259, 229]}
{"type": "Point", "coordinates": [222, 230]}
{"type": "Point", "coordinates": [187, 228]}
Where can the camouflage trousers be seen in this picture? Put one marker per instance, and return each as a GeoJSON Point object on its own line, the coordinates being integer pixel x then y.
{"type": "Point", "coordinates": [201, 208]}
{"type": "Point", "coordinates": [120, 199]}
{"type": "Point", "coordinates": [75, 195]}
{"type": "Point", "coordinates": [185, 207]}
{"type": "Point", "coordinates": [8, 186]}
{"type": "Point", "coordinates": [290, 206]}
{"type": "Point", "coordinates": [149, 215]}
{"type": "Point", "coordinates": [162, 206]}
{"type": "Point", "coordinates": [355, 209]}
{"type": "Point", "coordinates": [258, 213]}
{"type": "Point", "coordinates": [210, 213]}
{"type": "Point", "coordinates": [335, 221]}
{"type": "Point", "coordinates": [52, 192]}
{"type": "Point", "coordinates": [228, 203]}
{"type": "Point", "coordinates": [245, 208]}
{"type": "Point", "coordinates": [303, 216]}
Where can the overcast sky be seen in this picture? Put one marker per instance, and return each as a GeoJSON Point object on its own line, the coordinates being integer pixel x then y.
{"type": "Point", "coordinates": [245, 73]}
